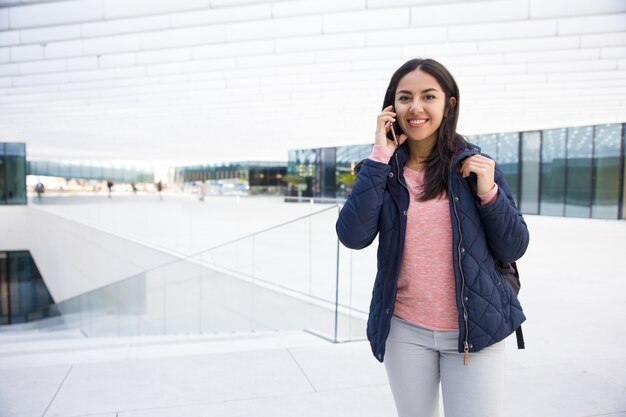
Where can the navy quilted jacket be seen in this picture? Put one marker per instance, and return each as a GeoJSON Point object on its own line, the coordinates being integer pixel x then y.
{"type": "Point", "coordinates": [488, 308]}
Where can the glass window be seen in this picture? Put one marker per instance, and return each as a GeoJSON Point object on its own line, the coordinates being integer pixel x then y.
{"type": "Point", "coordinates": [606, 161]}
{"type": "Point", "coordinates": [531, 148]}
{"type": "Point", "coordinates": [578, 187]}
{"type": "Point", "coordinates": [488, 145]}
{"type": "Point", "coordinates": [553, 165]}
{"type": "Point", "coordinates": [15, 173]}
{"type": "Point", "coordinates": [2, 175]}
{"type": "Point", "coordinates": [508, 160]}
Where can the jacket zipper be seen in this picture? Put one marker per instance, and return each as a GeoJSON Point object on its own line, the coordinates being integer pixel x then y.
{"type": "Point", "coordinates": [465, 315]}
{"type": "Point", "coordinates": [395, 290]}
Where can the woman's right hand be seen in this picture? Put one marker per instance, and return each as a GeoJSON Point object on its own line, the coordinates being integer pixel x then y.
{"type": "Point", "coordinates": [384, 125]}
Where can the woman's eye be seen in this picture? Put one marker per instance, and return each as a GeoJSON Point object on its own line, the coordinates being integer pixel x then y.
{"type": "Point", "coordinates": [429, 98]}
{"type": "Point", "coordinates": [403, 98]}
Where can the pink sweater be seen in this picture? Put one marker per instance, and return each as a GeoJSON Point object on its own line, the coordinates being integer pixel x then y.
{"type": "Point", "coordinates": [426, 287]}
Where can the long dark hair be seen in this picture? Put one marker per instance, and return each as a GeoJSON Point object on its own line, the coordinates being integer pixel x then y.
{"type": "Point", "coordinates": [439, 161]}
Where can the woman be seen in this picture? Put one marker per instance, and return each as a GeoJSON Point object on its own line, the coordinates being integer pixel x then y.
{"type": "Point", "coordinates": [444, 214]}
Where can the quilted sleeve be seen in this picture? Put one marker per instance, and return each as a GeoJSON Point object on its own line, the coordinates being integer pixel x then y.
{"type": "Point", "coordinates": [357, 225]}
{"type": "Point", "coordinates": [505, 228]}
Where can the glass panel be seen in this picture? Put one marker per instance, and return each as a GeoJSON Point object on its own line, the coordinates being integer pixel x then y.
{"type": "Point", "coordinates": [531, 148]}
{"type": "Point", "coordinates": [2, 175]}
{"type": "Point", "coordinates": [508, 160]}
{"type": "Point", "coordinates": [607, 144]}
{"type": "Point", "coordinates": [4, 290]}
{"type": "Point", "coordinates": [489, 145]}
{"type": "Point", "coordinates": [553, 167]}
{"type": "Point", "coordinates": [15, 171]}
{"type": "Point", "coordinates": [579, 169]}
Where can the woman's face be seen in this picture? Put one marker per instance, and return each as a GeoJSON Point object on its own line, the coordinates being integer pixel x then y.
{"type": "Point", "coordinates": [420, 106]}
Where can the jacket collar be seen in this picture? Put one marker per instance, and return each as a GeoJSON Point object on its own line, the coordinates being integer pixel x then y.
{"type": "Point", "coordinates": [464, 149]}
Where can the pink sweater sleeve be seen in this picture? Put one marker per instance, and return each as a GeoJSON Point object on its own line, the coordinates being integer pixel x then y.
{"type": "Point", "coordinates": [380, 153]}
{"type": "Point", "coordinates": [489, 197]}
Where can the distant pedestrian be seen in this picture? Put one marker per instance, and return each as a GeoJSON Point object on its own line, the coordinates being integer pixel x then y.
{"type": "Point", "coordinates": [39, 189]}
{"type": "Point", "coordinates": [110, 187]}
{"type": "Point", "coordinates": [203, 190]}
{"type": "Point", "coordinates": [159, 186]}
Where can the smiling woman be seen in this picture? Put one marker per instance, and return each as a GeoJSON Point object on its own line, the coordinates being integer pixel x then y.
{"type": "Point", "coordinates": [444, 214]}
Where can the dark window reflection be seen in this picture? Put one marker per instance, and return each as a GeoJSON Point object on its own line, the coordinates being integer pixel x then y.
{"type": "Point", "coordinates": [553, 166]}
{"type": "Point", "coordinates": [578, 187]}
{"type": "Point", "coordinates": [607, 142]}
{"type": "Point", "coordinates": [531, 148]}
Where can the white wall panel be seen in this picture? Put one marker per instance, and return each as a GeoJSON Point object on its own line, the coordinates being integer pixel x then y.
{"type": "Point", "coordinates": [75, 64]}
{"type": "Point", "coordinates": [274, 60]}
{"type": "Point", "coordinates": [530, 44]}
{"type": "Point", "coordinates": [64, 49]}
{"type": "Point", "coordinates": [603, 39]}
{"type": "Point", "coordinates": [359, 54]}
{"type": "Point", "coordinates": [593, 24]}
{"type": "Point", "coordinates": [613, 52]}
{"type": "Point", "coordinates": [302, 7]}
{"type": "Point", "coordinates": [106, 74]}
{"type": "Point", "coordinates": [42, 67]}
{"type": "Point", "coordinates": [162, 56]}
{"type": "Point", "coordinates": [57, 13]}
{"type": "Point", "coordinates": [111, 44]}
{"type": "Point", "coordinates": [507, 30]}
{"type": "Point", "coordinates": [4, 19]}
{"type": "Point", "coordinates": [208, 65]}
{"type": "Point", "coordinates": [9, 38]}
{"type": "Point", "coordinates": [27, 53]}
{"type": "Point", "coordinates": [117, 60]}
{"type": "Point", "coordinates": [377, 4]}
{"type": "Point", "coordinates": [183, 37]}
{"type": "Point", "coordinates": [621, 64]}
{"type": "Point", "coordinates": [5, 55]}
{"type": "Point", "coordinates": [5, 82]}
{"type": "Point", "coordinates": [563, 55]}
{"type": "Point", "coordinates": [428, 50]}
{"type": "Point", "coordinates": [231, 3]}
{"type": "Point", "coordinates": [225, 15]}
{"type": "Point", "coordinates": [296, 26]}
{"type": "Point", "coordinates": [121, 26]}
{"type": "Point", "coordinates": [124, 8]}
{"type": "Point", "coordinates": [407, 36]}
{"type": "Point", "coordinates": [233, 49]}
{"type": "Point", "coordinates": [486, 11]}
{"type": "Point", "coordinates": [50, 34]}
{"type": "Point", "coordinates": [366, 20]}
{"type": "Point", "coordinates": [542, 9]}
{"type": "Point", "coordinates": [32, 80]}
{"type": "Point", "coordinates": [312, 43]}
{"type": "Point", "coordinates": [600, 65]}
{"type": "Point", "coordinates": [9, 69]}
{"type": "Point", "coordinates": [161, 69]}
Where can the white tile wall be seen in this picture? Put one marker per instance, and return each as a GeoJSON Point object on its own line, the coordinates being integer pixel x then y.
{"type": "Point", "coordinates": [44, 79]}
{"type": "Point", "coordinates": [230, 3]}
{"type": "Point", "coordinates": [50, 34]}
{"type": "Point", "coordinates": [359, 54]}
{"type": "Point", "coordinates": [302, 7]}
{"type": "Point", "coordinates": [275, 60]}
{"type": "Point", "coordinates": [407, 36]}
{"type": "Point", "coordinates": [431, 49]}
{"type": "Point", "coordinates": [162, 56]}
{"type": "Point", "coordinates": [111, 44]}
{"type": "Point", "coordinates": [105, 74]}
{"type": "Point", "coordinates": [5, 82]}
{"type": "Point", "coordinates": [529, 44]}
{"type": "Point", "coordinates": [542, 9]}
{"type": "Point", "coordinates": [125, 8]}
{"type": "Point", "coordinates": [547, 56]}
{"type": "Point", "coordinates": [163, 69]}
{"type": "Point", "coordinates": [377, 4]}
{"type": "Point", "coordinates": [5, 55]}
{"type": "Point", "coordinates": [84, 63]}
{"type": "Point", "coordinates": [599, 65]}
{"type": "Point", "coordinates": [294, 26]}
{"type": "Point", "coordinates": [183, 37]}
{"type": "Point", "coordinates": [27, 53]}
{"type": "Point", "coordinates": [603, 39]}
{"type": "Point", "coordinates": [4, 19]}
{"type": "Point", "coordinates": [117, 60]}
{"type": "Point", "coordinates": [42, 67]}
{"type": "Point", "coordinates": [503, 30]}
{"type": "Point", "coordinates": [366, 20]}
{"type": "Point", "coordinates": [56, 13]}
{"type": "Point", "coordinates": [486, 11]}
{"type": "Point", "coordinates": [9, 38]}
{"type": "Point", "coordinates": [592, 24]}
{"type": "Point", "coordinates": [233, 49]}
{"type": "Point", "coordinates": [311, 43]}
{"type": "Point", "coordinates": [120, 26]}
{"type": "Point", "coordinates": [613, 52]}
{"type": "Point", "coordinates": [225, 15]}
{"type": "Point", "coordinates": [209, 65]}
{"type": "Point", "coordinates": [64, 49]}
{"type": "Point", "coordinates": [9, 69]}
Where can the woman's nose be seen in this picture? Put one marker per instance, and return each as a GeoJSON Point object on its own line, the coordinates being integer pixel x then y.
{"type": "Point", "coordinates": [416, 107]}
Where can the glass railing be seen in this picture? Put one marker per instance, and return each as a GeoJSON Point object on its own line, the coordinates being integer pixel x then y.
{"type": "Point", "coordinates": [293, 276]}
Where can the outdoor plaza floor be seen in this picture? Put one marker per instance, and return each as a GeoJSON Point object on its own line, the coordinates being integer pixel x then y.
{"type": "Point", "coordinates": [573, 293]}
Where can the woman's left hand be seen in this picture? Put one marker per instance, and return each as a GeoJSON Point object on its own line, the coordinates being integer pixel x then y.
{"type": "Point", "coordinates": [484, 168]}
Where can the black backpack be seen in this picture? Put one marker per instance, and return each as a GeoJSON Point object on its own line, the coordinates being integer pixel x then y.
{"type": "Point", "coordinates": [511, 276]}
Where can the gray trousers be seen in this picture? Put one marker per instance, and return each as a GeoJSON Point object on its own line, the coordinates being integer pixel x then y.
{"type": "Point", "coordinates": [418, 359]}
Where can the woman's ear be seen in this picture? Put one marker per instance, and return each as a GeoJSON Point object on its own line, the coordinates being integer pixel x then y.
{"type": "Point", "coordinates": [452, 103]}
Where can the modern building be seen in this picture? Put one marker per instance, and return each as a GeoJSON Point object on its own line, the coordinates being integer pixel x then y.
{"type": "Point", "coordinates": [570, 171]}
